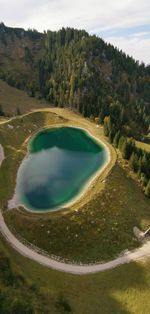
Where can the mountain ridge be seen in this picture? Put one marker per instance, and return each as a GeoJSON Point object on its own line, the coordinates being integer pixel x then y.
{"type": "Point", "coordinates": [75, 69]}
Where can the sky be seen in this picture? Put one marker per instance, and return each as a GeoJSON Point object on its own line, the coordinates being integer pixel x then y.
{"type": "Point", "coordinates": [123, 23]}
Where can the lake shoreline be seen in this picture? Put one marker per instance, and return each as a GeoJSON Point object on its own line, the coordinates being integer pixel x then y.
{"type": "Point", "coordinates": [14, 202]}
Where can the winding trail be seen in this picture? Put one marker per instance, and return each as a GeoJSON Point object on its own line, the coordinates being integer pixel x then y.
{"type": "Point", "coordinates": [138, 254]}
{"type": "Point", "coordinates": [135, 255]}
{"type": "Point", "coordinates": [2, 157]}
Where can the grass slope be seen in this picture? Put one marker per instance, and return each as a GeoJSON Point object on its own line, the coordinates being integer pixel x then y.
{"type": "Point", "coordinates": [98, 231]}
{"type": "Point", "coordinates": [12, 99]}
{"type": "Point", "coordinates": [96, 228]}
{"type": "Point", "coordinates": [124, 290]}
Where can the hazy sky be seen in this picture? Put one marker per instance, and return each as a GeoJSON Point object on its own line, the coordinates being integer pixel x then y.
{"type": "Point", "coordinates": [124, 23]}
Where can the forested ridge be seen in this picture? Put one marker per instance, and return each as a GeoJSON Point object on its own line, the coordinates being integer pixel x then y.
{"type": "Point", "coordinates": [89, 75]}
{"type": "Point", "coordinates": [75, 69]}
{"type": "Point", "coordinates": [72, 68]}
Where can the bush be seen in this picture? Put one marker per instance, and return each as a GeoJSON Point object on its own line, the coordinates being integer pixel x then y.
{"type": "Point", "coordinates": [62, 304]}
{"type": "Point", "coordinates": [6, 272]}
{"type": "Point", "coordinates": [19, 306]}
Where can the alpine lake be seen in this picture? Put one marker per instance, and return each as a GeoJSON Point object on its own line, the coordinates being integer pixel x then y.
{"type": "Point", "coordinates": [60, 164]}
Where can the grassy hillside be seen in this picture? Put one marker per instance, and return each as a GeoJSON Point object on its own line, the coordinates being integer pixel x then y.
{"type": "Point", "coordinates": [99, 226]}
{"type": "Point", "coordinates": [102, 225]}
{"type": "Point", "coordinates": [97, 231]}
{"type": "Point", "coordinates": [124, 290]}
{"type": "Point", "coordinates": [13, 99]}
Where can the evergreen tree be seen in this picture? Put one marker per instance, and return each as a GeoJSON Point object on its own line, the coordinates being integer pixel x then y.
{"type": "Point", "coordinates": [116, 139]}
{"type": "Point", "coordinates": [107, 126]}
{"type": "Point", "coordinates": [134, 163]}
{"type": "Point", "coordinates": [147, 190]}
{"type": "Point", "coordinates": [121, 142]}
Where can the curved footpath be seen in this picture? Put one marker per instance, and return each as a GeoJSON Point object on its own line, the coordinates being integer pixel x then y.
{"type": "Point", "coordinates": [137, 254]}
{"type": "Point", "coordinates": [1, 154]}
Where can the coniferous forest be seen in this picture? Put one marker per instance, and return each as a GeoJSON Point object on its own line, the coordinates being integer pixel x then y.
{"type": "Point", "coordinates": [74, 69]}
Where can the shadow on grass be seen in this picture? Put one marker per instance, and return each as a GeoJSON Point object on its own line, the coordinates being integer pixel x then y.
{"type": "Point", "coordinates": [116, 291]}
{"type": "Point", "coordinates": [123, 290]}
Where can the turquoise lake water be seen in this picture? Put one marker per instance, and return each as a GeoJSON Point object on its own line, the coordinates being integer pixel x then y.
{"type": "Point", "coordinates": [59, 164]}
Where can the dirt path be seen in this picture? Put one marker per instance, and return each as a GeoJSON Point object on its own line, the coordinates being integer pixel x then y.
{"type": "Point", "coordinates": [135, 255]}
{"type": "Point", "coordinates": [29, 252]}
{"type": "Point", "coordinates": [1, 154]}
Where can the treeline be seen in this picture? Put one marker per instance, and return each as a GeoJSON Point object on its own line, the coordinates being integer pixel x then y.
{"type": "Point", "coordinates": [139, 159]}
{"type": "Point", "coordinates": [6, 31]}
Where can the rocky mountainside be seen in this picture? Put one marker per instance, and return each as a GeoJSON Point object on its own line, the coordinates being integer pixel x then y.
{"type": "Point", "coordinates": [19, 54]}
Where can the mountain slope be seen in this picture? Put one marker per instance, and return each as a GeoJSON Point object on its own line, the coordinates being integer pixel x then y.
{"type": "Point", "coordinates": [19, 52]}
{"type": "Point", "coordinates": [14, 101]}
{"type": "Point", "coordinates": [91, 76]}
{"type": "Point", "coordinates": [72, 68]}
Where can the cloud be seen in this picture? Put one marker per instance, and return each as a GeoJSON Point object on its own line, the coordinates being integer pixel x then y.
{"type": "Point", "coordinates": [137, 46]}
{"type": "Point", "coordinates": [93, 15]}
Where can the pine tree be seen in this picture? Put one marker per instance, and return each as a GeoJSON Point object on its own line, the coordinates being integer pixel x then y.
{"type": "Point", "coordinates": [116, 139]}
{"type": "Point", "coordinates": [134, 163]}
{"type": "Point", "coordinates": [121, 143]}
{"type": "Point", "coordinates": [124, 149]}
{"type": "Point", "coordinates": [147, 190]}
{"type": "Point", "coordinates": [107, 126]}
